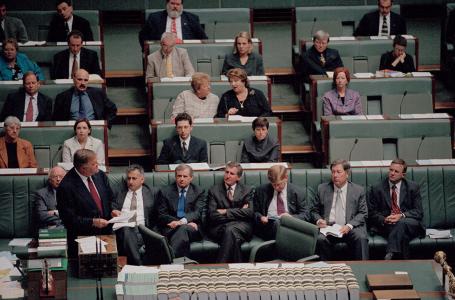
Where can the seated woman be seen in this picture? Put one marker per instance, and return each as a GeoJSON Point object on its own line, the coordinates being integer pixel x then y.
{"type": "Point", "coordinates": [14, 151]}
{"type": "Point", "coordinates": [397, 60]}
{"type": "Point", "coordinates": [13, 64]}
{"type": "Point", "coordinates": [243, 56]}
{"type": "Point", "coordinates": [83, 140]}
{"type": "Point", "coordinates": [242, 99]}
{"type": "Point", "coordinates": [341, 100]}
{"type": "Point", "coordinates": [260, 147]}
{"type": "Point", "coordinates": [199, 102]}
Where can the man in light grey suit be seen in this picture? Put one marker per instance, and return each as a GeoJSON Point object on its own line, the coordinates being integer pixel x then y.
{"type": "Point", "coordinates": [168, 61]}
{"type": "Point", "coordinates": [11, 27]}
{"type": "Point", "coordinates": [135, 197]}
{"type": "Point", "coordinates": [45, 201]}
{"type": "Point", "coordinates": [180, 206]}
{"type": "Point", "coordinates": [341, 202]}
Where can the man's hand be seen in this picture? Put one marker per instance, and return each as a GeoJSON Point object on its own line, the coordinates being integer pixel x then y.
{"type": "Point", "coordinates": [345, 229]}
{"type": "Point", "coordinates": [222, 211]}
{"type": "Point", "coordinates": [392, 219]}
{"type": "Point", "coordinates": [192, 224]}
{"type": "Point", "coordinates": [321, 223]}
{"type": "Point", "coordinates": [246, 205]}
{"type": "Point", "coordinates": [115, 213]}
{"type": "Point", "coordinates": [264, 220]}
{"type": "Point", "coordinates": [174, 224]}
{"type": "Point", "coordinates": [232, 111]}
{"type": "Point", "coordinates": [100, 223]}
{"type": "Point", "coordinates": [52, 212]}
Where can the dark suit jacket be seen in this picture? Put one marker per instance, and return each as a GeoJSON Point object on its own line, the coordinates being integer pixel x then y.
{"type": "Point", "coordinates": [57, 32]}
{"type": "Point", "coordinates": [45, 201]}
{"type": "Point", "coordinates": [356, 204]}
{"type": "Point", "coordinates": [369, 24]}
{"type": "Point", "coordinates": [77, 207]}
{"type": "Point", "coordinates": [15, 106]}
{"type": "Point", "coordinates": [104, 108]}
{"type": "Point", "coordinates": [217, 198]}
{"type": "Point", "coordinates": [148, 197]}
{"type": "Point", "coordinates": [312, 65]}
{"type": "Point", "coordinates": [168, 199]}
{"type": "Point", "coordinates": [88, 61]}
{"type": "Point", "coordinates": [156, 25]}
{"type": "Point", "coordinates": [387, 59]}
{"type": "Point", "coordinates": [380, 203]}
{"type": "Point", "coordinates": [295, 197]}
{"type": "Point", "coordinates": [171, 153]}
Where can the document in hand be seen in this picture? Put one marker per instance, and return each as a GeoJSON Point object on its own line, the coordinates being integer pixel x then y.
{"type": "Point", "coordinates": [333, 230]}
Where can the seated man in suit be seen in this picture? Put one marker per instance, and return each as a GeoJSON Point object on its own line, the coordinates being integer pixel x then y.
{"type": "Point", "coordinates": [14, 151]}
{"type": "Point", "coordinates": [11, 27]}
{"type": "Point", "coordinates": [82, 101]}
{"type": "Point", "coordinates": [65, 21]}
{"type": "Point", "coordinates": [169, 61]}
{"type": "Point", "coordinates": [136, 196]}
{"type": "Point", "coordinates": [84, 199]}
{"type": "Point", "coordinates": [28, 104]}
{"type": "Point", "coordinates": [276, 199]}
{"type": "Point", "coordinates": [319, 58]}
{"type": "Point", "coordinates": [46, 202]}
{"type": "Point", "coordinates": [395, 210]}
{"type": "Point", "coordinates": [381, 22]}
{"type": "Point", "coordinates": [68, 61]}
{"type": "Point", "coordinates": [184, 24]}
{"type": "Point", "coordinates": [183, 147]}
{"type": "Point", "coordinates": [180, 211]}
{"type": "Point", "coordinates": [230, 214]}
{"type": "Point", "coordinates": [343, 203]}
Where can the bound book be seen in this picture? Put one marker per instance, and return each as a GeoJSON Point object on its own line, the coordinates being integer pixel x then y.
{"type": "Point", "coordinates": [333, 230]}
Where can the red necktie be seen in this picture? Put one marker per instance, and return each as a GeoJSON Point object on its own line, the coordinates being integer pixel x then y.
{"type": "Point", "coordinates": [174, 30]}
{"type": "Point", "coordinates": [279, 204]}
{"type": "Point", "coordinates": [95, 196]}
{"type": "Point", "coordinates": [75, 66]}
{"type": "Point", "coordinates": [29, 113]}
{"type": "Point", "coordinates": [395, 207]}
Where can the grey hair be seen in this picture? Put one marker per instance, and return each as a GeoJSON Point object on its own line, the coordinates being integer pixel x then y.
{"type": "Point", "coordinates": [12, 120]}
{"type": "Point", "coordinates": [320, 35]}
{"type": "Point", "coordinates": [135, 167]}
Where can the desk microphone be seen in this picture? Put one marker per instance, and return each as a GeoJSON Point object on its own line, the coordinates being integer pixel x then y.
{"type": "Point", "coordinates": [352, 148]}
{"type": "Point", "coordinates": [55, 155]}
{"type": "Point", "coordinates": [402, 99]}
{"type": "Point", "coordinates": [312, 26]}
{"type": "Point", "coordinates": [214, 29]}
{"type": "Point", "coordinates": [420, 145]}
{"type": "Point", "coordinates": [167, 107]}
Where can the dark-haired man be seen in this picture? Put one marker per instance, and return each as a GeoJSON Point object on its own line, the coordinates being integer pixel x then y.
{"type": "Point", "coordinates": [11, 27]}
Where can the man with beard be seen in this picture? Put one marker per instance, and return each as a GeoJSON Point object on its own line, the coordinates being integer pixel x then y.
{"type": "Point", "coordinates": [184, 24]}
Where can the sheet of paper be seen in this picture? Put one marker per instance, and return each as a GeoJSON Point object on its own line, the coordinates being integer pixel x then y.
{"type": "Point", "coordinates": [375, 117]}
{"type": "Point", "coordinates": [32, 43]}
{"type": "Point", "coordinates": [257, 78]}
{"type": "Point", "coordinates": [378, 37]}
{"type": "Point", "coordinates": [267, 265]}
{"type": "Point", "coordinates": [192, 41]}
{"type": "Point", "coordinates": [91, 240]}
{"type": "Point", "coordinates": [353, 117]}
{"type": "Point", "coordinates": [19, 242]}
{"type": "Point", "coordinates": [421, 74]}
{"type": "Point", "coordinates": [175, 79]}
{"type": "Point", "coordinates": [91, 248]}
{"type": "Point", "coordinates": [172, 267]}
{"type": "Point", "coordinates": [194, 166]}
{"type": "Point", "coordinates": [241, 266]}
{"type": "Point", "coordinates": [241, 118]}
{"type": "Point", "coordinates": [364, 75]}
{"type": "Point", "coordinates": [263, 165]}
{"type": "Point", "coordinates": [292, 265]}
{"type": "Point", "coordinates": [203, 120]}
{"type": "Point", "coordinates": [342, 38]}
{"type": "Point", "coordinates": [123, 218]}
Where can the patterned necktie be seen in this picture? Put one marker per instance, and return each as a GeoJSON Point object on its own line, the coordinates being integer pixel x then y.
{"type": "Point", "coordinates": [169, 72]}
{"type": "Point", "coordinates": [82, 112]}
{"type": "Point", "coordinates": [133, 207]}
{"type": "Point", "coordinates": [184, 149]}
{"type": "Point", "coordinates": [181, 205]}
{"type": "Point", "coordinates": [174, 30]}
{"type": "Point", "coordinates": [279, 204]}
{"type": "Point", "coordinates": [339, 211]}
{"type": "Point", "coordinates": [322, 60]}
{"type": "Point", "coordinates": [95, 196]}
{"type": "Point", "coordinates": [395, 207]}
{"type": "Point", "coordinates": [385, 29]}
{"type": "Point", "coordinates": [230, 194]}
{"type": "Point", "coordinates": [75, 66]}
{"type": "Point", "coordinates": [29, 113]}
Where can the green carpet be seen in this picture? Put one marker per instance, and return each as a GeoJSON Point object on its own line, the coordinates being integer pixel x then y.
{"type": "Point", "coordinates": [293, 133]}
{"type": "Point", "coordinates": [276, 44]}
{"type": "Point", "coordinates": [130, 97]}
{"type": "Point", "coordinates": [130, 136]}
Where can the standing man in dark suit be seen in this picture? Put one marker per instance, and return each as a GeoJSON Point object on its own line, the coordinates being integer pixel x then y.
{"type": "Point", "coordinates": [28, 104]}
{"type": "Point", "coordinates": [186, 25]}
{"type": "Point", "coordinates": [65, 21]}
{"type": "Point", "coordinates": [138, 197]}
{"type": "Point", "coordinates": [381, 22]}
{"type": "Point", "coordinates": [84, 199]}
{"type": "Point", "coordinates": [395, 210]}
{"type": "Point", "coordinates": [230, 214]}
{"type": "Point", "coordinates": [82, 101]}
{"type": "Point", "coordinates": [11, 27]}
{"type": "Point", "coordinates": [276, 199]}
{"type": "Point", "coordinates": [68, 61]}
{"type": "Point", "coordinates": [180, 211]}
{"type": "Point", "coordinates": [183, 147]}
{"type": "Point", "coordinates": [46, 201]}
{"type": "Point", "coordinates": [341, 202]}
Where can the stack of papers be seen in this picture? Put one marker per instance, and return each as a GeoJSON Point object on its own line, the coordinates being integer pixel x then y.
{"type": "Point", "coordinates": [88, 244]}
{"type": "Point", "coordinates": [363, 75]}
{"type": "Point", "coordinates": [438, 234]}
{"type": "Point", "coordinates": [333, 230]}
{"type": "Point", "coordinates": [241, 118]}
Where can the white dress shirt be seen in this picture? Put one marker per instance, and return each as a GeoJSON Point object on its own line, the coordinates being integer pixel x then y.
{"type": "Point", "coordinates": [187, 142]}
{"type": "Point", "coordinates": [70, 23]}
{"type": "Point", "coordinates": [272, 211]}
{"type": "Point", "coordinates": [34, 104]}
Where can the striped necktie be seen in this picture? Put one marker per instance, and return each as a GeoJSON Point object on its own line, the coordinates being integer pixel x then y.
{"type": "Point", "coordinates": [385, 28]}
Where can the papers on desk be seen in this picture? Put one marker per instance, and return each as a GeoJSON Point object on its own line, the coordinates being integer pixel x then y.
{"type": "Point", "coordinates": [125, 274]}
{"type": "Point", "coordinates": [374, 117]}
{"type": "Point", "coordinates": [449, 161]}
{"type": "Point", "coordinates": [194, 166]}
{"type": "Point", "coordinates": [32, 43]}
{"type": "Point", "coordinates": [20, 242]}
{"type": "Point", "coordinates": [123, 218]}
{"type": "Point", "coordinates": [364, 75]}
{"type": "Point", "coordinates": [174, 267]}
{"type": "Point", "coordinates": [93, 43]}
{"type": "Point", "coordinates": [425, 116]}
{"type": "Point", "coordinates": [88, 244]}
{"type": "Point", "coordinates": [9, 82]}
{"type": "Point", "coordinates": [38, 263]}
{"type": "Point", "coordinates": [370, 163]}
{"type": "Point", "coordinates": [330, 74]}
{"type": "Point", "coordinates": [408, 36]}
{"type": "Point", "coordinates": [11, 290]}
{"type": "Point", "coordinates": [421, 74]}
{"type": "Point", "coordinates": [438, 234]}
{"type": "Point", "coordinates": [353, 117]}
{"type": "Point", "coordinates": [263, 165]}
{"type": "Point", "coordinates": [292, 265]}
{"type": "Point", "coordinates": [192, 42]}
{"type": "Point", "coordinates": [19, 171]}
{"type": "Point", "coordinates": [175, 79]}
{"type": "Point", "coordinates": [224, 41]}
{"type": "Point", "coordinates": [203, 120]}
{"type": "Point", "coordinates": [241, 118]}
{"type": "Point", "coordinates": [333, 230]}
{"type": "Point", "coordinates": [342, 38]}
{"type": "Point", "coordinates": [257, 77]}
{"type": "Point", "coordinates": [379, 37]}
{"type": "Point", "coordinates": [241, 266]}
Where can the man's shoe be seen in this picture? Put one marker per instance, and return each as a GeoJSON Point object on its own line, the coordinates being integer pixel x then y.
{"type": "Point", "coordinates": [388, 256]}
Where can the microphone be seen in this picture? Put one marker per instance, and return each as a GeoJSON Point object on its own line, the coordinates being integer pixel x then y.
{"type": "Point", "coordinates": [352, 148]}
{"type": "Point", "coordinates": [214, 29]}
{"type": "Point", "coordinates": [420, 145]}
{"type": "Point", "coordinates": [167, 107]}
{"type": "Point", "coordinates": [55, 155]}
{"type": "Point", "coordinates": [402, 99]}
{"type": "Point", "coordinates": [312, 26]}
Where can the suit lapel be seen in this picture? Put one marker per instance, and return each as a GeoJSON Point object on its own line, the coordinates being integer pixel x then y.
{"type": "Point", "coordinates": [268, 198]}
{"type": "Point", "coordinates": [289, 195]}
{"type": "Point", "coordinates": [20, 107]}
{"type": "Point", "coordinates": [386, 188]}
{"type": "Point", "coordinates": [41, 106]}
{"type": "Point", "coordinates": [328, 201]}
{"type": "Point", "coordinates": [403, 191]}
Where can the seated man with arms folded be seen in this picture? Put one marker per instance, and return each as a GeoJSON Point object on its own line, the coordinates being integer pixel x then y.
{"type": "Point", "coordinates": [343, 203]}
{"type": "Point", "coordinates": [135, 196]}
{"type": "Point", "coordinates": [83, 140]}
{"type": "Point", "coordinates": [398, 59]}
{"type": "Point", "coordinates": [168, 61]}
{"type": "Point", "coordinates": [11, 27]}
{"type": "Point", "coordinates": [14, 151]}
{"type": "Point", "coordinates": [46, 201]}
{"type": "Point", "coordinates": [243, 56]}
{"type": "Point", "coordinates": [395, 209]}
{"type": "Point", "coordinates": [261, 147]}
{"type": "Point", "coordinates": [276, 199]}
{"type": "Point", "coordinates": [28, 104]}
{"type": "Point", "coordinates": [242, 99]}
{"type": "Point", "coordinates": [341, 100]}
{"type": "Point", "coordinates": [230, 214]}
{"type": "Point", "coordinates": [319, 58]}
{"type": "Point", "coordinates": [14, 64]}
{"type": "Point", "coordinates": [180, 211]}
{"type": "Point", "coordinates": [199, 102]}
{"type": "Point", "coordinates": [183, 147]}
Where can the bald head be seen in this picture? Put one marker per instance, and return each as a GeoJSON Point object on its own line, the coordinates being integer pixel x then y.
{"type": "Point", "coordinates": [80, 80]}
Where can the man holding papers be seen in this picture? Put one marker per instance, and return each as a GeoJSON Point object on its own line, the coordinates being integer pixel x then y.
{"type": "Point", "coordinates": [342, 203]}
{"type": "Point", "coordinates": [138, 200]}
{"type": "Point", "coordinates": [395, 210]}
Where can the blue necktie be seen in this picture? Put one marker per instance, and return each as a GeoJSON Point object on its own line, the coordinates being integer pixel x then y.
{"type": "Point", "coordinates": [181, 205]}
